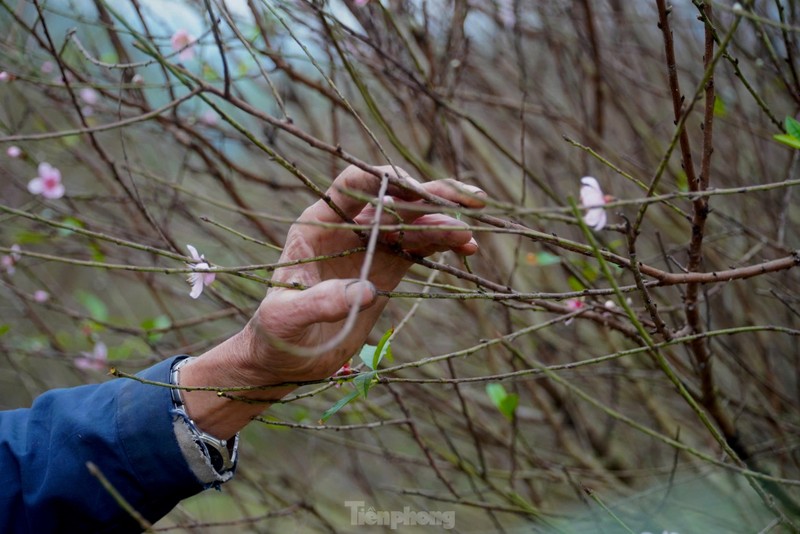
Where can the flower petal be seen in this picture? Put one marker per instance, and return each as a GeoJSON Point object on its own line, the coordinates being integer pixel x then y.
{"type": "Point", "coordinates": [36, 186]}
{"type": "Point", "coordinates": [196, 279]}
{"type": "Point", "coordinates": [54, 192]}
{"type": "Point", "coordinates": [596, 218]}
{"type": "Point", "coordinates": [591, 194]}
{"type": "Point", "coordinates": [100, 351]}
{"type": "Point", "coordinates": [194, 253]}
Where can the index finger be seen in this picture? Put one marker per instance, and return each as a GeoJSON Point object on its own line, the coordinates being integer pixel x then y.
{"type": "Point", "coordinates": [353, 188]}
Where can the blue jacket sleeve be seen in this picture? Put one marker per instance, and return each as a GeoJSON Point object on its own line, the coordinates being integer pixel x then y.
{"type": "Point", "coordinates": [122, 426]}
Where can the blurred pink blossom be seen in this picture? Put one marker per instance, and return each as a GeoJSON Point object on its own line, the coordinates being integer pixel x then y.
{"type": "Point", "coordinates": [198, 280]}
{"type": "Point", "coordinates": [13, 151]}
{"type": "Point", "coordinates": [89, 95]}
{"type": "Point", "coordinates": [48, 183]}
{"type": "Point", "coordinates": [40, 295]}
{"type": "Point", "coordinates": [97, 359]}
{"type": "Point", "coordinates": [47, 67]}
{"type": "Point", "coordinates": [209, 117]}
{"type": "Point", "coordinates": [8, 262]}
{"type": "Point", "coordinates": [361, 3]}
{"type": "Point", "coordinates": [593, 199]}
{"type": "Point", "coordinates": [184, 42]}
{"type": "Point", "coordinates": [574, 305]}
{"type": "Point", "coordinates": [4, 76]}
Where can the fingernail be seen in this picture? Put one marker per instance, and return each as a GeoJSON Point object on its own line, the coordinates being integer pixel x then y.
{"type": "Point", "coordinates": [474, 190]}
{"type": "Point", "coordinates": [359, 293]}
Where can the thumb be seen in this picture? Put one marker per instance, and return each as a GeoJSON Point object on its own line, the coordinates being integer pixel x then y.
{"type": "Point", "coordinates": [328, 301]}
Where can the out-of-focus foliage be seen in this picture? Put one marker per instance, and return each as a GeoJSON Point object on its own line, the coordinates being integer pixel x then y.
{"type": "Point", "coordinates": [667, 403]}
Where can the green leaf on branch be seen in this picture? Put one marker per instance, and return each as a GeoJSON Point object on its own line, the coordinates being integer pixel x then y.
{"type": "Point", "coordinates": [720, 110]}
{"type": "Point", "coordinates": [575, 284]}
{"type": "Point", "coordinates": [792, 127]}
{"type": "Point", "coordinates": [72, 222]}
{"type": "Point", "coordinates": [97, 308]}
{"type": "Point", "coordinates": [365, 381]}
{"type": "Point", "coordinates": [503, 401]}
{"type": "Point", "coordinates": [372, 355]}
{"type": "Point", "coordinates": [793, 142]}
{"type": "Point", "coordinates": [4, 328]}
{"type": "Point", "coordinates": [341, 403]}
{"type": "Point", "coordinates": [159, 322]}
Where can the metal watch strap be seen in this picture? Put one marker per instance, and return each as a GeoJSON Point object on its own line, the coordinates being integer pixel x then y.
{"type": "Point", "coordinates": [222, 453]}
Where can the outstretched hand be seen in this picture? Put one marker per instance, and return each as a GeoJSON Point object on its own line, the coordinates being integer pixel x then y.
{"type": "Point", "coordinates": [286, 339]}
{"type": "Point", "coordinates": [310, 317]}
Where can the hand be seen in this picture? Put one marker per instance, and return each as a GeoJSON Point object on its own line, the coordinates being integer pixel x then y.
{"type": "Point", "coordinates": [281, 343]}
{"type": "Point", "coordinates": [309, 318]}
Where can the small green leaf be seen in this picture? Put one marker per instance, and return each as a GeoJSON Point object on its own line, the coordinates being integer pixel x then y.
{"type": "Point", "coordinates": [367, 355]}
{"type": "Point", "coordinates": [792, 127]}
{"type": "Point", "coordinates": [683, 181]}
{"type": "Point", "coordinates": [109, 57]}
{"type": "Point", "coordinates": [503, 401]}
{"type": "Point", "coordinates": [720, 110]}
{"type": "Point", "coordinates": [575, 284]}
{"type": "Point", "coordinates": [787, 140]}
{"type": "Point", "coordinates": [158, 322]}
{"type": "Point", "coordinates": [209, 74]}
{"type": "Point", "coordinates": [542, 259]}
{"type": "Point", "coordinates": [72, 222]}
{"type": "Point", "coordinates": [26, 237]}
{"type": "Point", "coordinates": [4, 328]}
{"type": "Point", "coordinates": [71, 140]}
{"type": "Point", "coordinates": [338, 406]}
{"type": "Point", "coordinates": [364, 382]}
{"type": "Point", "coordinates": [372, 355]}
{"type": "Point", "coordinates": [590, 272]}
{"type": "Point", "coordinates": [96, 307]}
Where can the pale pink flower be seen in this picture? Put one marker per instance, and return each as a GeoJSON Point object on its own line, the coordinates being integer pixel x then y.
{"type": "Point", "coordinates": [47, 67]}
{"type": "Point", "coordinates": [48, 183]}
{"type": "Point", "coordinates": [593, 200]}
{"type": "Point", "coordinates": [199, 280]}
{"type": "Point", "coordinates": [40, 295]}
{"type": "Point", "coordinates": [8, 262]}
{"type": "Point", "coordinates": [89, 95]}
{"type": "Point", "coordinates": [4, 76]}
{"type": "Point", "coordinates": [361, 3]}
{"type": "Point", "coordinates": [13, 151]}
{"type": "Point", "coordinates": [97, 359]}
{"type": "Point", "coordinates": [183, 43]}
{"type": "Point", "coordinates": [209, 117]}
{"type": "Point", "coordinates": [137, 79]}
{"type": "Point", "coordinates": [574, 305]}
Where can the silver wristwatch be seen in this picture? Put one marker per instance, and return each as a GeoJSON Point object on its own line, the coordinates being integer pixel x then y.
{"type": "Point", "coordinates": [221, 452]}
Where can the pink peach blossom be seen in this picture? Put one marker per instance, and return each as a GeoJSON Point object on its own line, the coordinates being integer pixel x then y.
{"type": "Point", "coordinates": [183, 43]}
{"type": "Point", "coordinates": [89, 95]}
{"type": "Point", "coordinates": [593, 200]}
{"type": "Point", "coordinates": [198, 280]}
{"type": "Point", "coordinates": [48, 183]}
{"type": "Point", "coordinates": [97, 359]}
